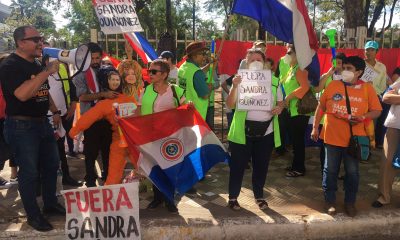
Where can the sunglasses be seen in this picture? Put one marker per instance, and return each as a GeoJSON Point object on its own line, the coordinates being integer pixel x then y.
{"type": "Point", "coordinates": [34, 39]}
{"type": "Point", "coordinates": [153, 71]}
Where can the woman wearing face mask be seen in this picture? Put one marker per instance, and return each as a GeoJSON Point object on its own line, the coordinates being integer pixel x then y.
{"type": "Point", "coordinates": [105, 109]}
{"type": "Point", "coordinates": [364, 105]}
{"type": "Point", "coordinates": [243, 146]}
{"type": "Point", "coordinates": [296, 85]}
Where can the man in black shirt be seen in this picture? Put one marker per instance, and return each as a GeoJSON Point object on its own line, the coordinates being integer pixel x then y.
{"type": "Point", "coordinates": [26, 129]}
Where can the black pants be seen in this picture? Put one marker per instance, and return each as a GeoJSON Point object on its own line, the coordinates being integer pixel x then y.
{"type": "Point", "coordinates": [298, 126]}
{"type": "Point", "coordinates": [63, 158]}
{"type": "Point", "coordinates": [159, 196]}
{"type": "Point", "coordinates": [210, 117]}
{"type": "Point", "coordinates": [4, 149]}
{"type": "Point", "coordinates": [283, 128]}
{"type": "Point", "coordinates": [67, 124]}
{"type": "Point", "coordinates": [260, 153]}
{"type": "Point", "coordinates": [97, 138]}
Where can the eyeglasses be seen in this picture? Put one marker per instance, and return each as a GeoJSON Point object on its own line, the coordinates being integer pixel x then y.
{"type": "Point", "coordinates": [153, 71]}
{"type": "Point", "coordinates": [34, 39]}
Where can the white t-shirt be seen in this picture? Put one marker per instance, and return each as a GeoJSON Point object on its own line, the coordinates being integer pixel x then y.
{"type": "Point", "coordinates": [263, 116]}
{"type": "Point", "coordinates": [164, 101]}
{"type": "Point", "coordinates": [173, 75]}
{"type": "Point", "coordinates": [393, 117]}
{"type": "Point", "coordinates": [57, 93]}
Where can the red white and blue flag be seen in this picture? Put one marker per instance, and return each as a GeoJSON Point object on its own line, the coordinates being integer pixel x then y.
{"type": "Point", "coordinates": [288, 21]}
{"type": "Point", "coordinates": [141, 46]}
{"type": "Point", "coordinates": [176, 148]}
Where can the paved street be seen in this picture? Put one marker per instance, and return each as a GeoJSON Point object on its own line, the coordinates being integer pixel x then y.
{"type": "Point", "coordinates": [291, 200]}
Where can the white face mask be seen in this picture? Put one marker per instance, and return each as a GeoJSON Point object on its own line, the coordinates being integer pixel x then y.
{"type": "Point", "coordinates": [256, 65]}
{"type": "Point", "coordinates": [287, 59]}
{"type": "Point", "coordinates": [347, 76]}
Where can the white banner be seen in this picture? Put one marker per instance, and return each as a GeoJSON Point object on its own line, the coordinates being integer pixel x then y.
{"type": "Point", "coordinates": [108, 212]}
{"type": "Point", "coordinates": [254, 92]}
{"type": "Point", "coordinates": [117, 16]}
{"type": "Point", "coordinates": [369, 74]}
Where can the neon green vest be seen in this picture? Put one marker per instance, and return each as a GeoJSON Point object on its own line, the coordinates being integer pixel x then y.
{"type": "Point", "coordinates": [236, 132]}
{"type": "Point", "coordinates": [150, 96]}
{"type": "Point", "coordinates": [185, 75]}
{"type": "Point", "coordinates": [210, 80]}
{"type": "Point", "coordinates": [63, 73]}
{"type": "Point", "coordinates": [290, 84]}
{"type": "Point", "coordinates": [283, 69]}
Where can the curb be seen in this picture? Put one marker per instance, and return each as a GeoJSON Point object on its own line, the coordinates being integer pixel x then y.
{"type": "Point", "coordinates": [377, 224]}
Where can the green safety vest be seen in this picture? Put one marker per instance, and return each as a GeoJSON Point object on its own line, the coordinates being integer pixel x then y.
{"type": "Point", "coordinates": [283, 69]}
{"type": "Point", "coordinates": [236, 131]}
{"type": "Point", "coordinates": [290, 84]}
{"type": "Point", "coordinates": [63, 74]}
{"type": "Point", "coordinates": [210, 80]}
{"type": "Point", "coordinates": [150, 96]}
{"type": "Point", "coordinates": [185, 76]}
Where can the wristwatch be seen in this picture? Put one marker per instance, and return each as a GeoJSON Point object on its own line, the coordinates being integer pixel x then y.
{"type": "Point", "coordinates": [57, 112]}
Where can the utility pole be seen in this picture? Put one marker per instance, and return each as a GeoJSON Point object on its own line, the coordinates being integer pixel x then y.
{"type": "Point", "coordinates": [313, 20]}
{"type": "Point", "coordinates": [194, 20]}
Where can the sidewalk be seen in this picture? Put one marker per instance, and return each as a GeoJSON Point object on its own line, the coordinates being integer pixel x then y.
{"type": "Point", "coordinates": [296, 208]}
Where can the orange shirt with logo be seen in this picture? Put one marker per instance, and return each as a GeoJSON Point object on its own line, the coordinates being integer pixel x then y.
{"type": "Point", "coordinates": [363, 98]}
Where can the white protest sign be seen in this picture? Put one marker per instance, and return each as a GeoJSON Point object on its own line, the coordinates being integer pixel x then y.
{"type": "Point", "coordinates": [369, 74]}
{"type": "Point", "coordinates": [254, 92]}
{"type": "Point", "coordinates": [108, 212]}
{"type": "Point", "coordinates": [117, 16]}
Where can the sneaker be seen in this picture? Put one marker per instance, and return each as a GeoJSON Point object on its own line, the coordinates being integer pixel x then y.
{"type": "Point", "coordinates": [171, 207]}
{"type": "Point", "coordinates": [262, 204]}
{"type": "Point", "coordinates": [234, 205]}
{"type": "Point", "coordinates": [14, 181]}
{"type": "Point", "coordinates": [330, 208]}
{"type": "Point", "coordinates": [4, 184]}
{"type": "Point", "coordinates": [377, 204]}
{"type": "Point", "coordinates": [350, 209]}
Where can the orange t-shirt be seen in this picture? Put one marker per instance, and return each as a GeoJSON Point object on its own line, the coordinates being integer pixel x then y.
{"type": "Point", "coordinates": [363, 98]}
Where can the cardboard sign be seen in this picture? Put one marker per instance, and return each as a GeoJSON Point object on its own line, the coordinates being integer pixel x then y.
{"type": "Point", "coordinates": [369, 74]}
{"type": "Point", "coordinates": [108, 212]}
{"type": "Point", "coordinates": [254, 92]}
{"type": "Point", "coordinates": [117, 16]}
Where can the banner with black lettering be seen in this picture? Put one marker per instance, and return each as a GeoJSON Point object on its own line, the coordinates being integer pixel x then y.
{"type": "Point", "coordinates": [108, 212]}
{"type": "Point", "coordinates": [117, 16]}
{"type": "Point", "coordinates": [254, 92]}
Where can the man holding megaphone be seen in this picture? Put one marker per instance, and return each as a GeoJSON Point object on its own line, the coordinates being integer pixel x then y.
{"type": "Point", "coordinates": [27, 129]}
{"type": "Point", "coordinates": [98, 136]}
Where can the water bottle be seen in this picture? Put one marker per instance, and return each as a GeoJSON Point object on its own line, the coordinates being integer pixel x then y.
{"type": "Point", "coordinates": [59, 186]}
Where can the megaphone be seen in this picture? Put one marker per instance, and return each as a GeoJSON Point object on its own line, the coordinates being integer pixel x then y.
{"type": "Point", "coordinates": [79, 57]}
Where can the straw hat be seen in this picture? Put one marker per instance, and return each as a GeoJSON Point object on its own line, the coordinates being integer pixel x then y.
{"type": "Point", "coordinates": [195, 47]}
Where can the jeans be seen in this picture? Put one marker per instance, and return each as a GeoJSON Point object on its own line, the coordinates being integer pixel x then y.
{"type": "Point", "coordinates": [33, 144]}
{"type": "Point", "coordinates": [260, 153]}
{"type": "Point", "coordinates": [333, 158]}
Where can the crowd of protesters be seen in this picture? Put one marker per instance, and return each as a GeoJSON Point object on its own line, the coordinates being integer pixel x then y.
{"type": "Point", "coordinates": [38, 101]}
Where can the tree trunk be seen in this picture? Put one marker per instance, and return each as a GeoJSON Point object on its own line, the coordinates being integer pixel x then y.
{"type": "Point", "coordinates": [366, 12]}
{"type": "Point", "coordinates": [377, 13]}
{"type": "Point", "coordinates": [168, 18]}
{"type": "Point", "coordinates": [261, 32]}
{"type": "Point", "coordinates": [354, 13]}
{"type": "Point", "coordinates": [391, 15]}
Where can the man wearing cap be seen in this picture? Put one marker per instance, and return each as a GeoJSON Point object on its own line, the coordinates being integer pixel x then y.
{"type": "Point", "coordinates": [378, 80]}
{"type": "Point", "coordinates": [192, 78]}
{"type": "Point", "coordinates": [173, 70]}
